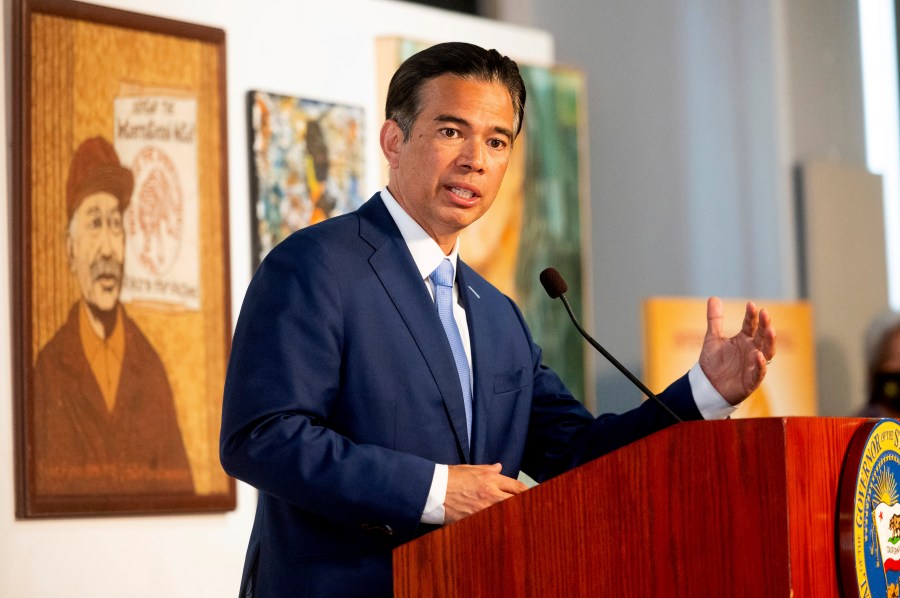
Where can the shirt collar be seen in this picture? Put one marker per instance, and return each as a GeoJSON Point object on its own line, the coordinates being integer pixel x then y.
{"type": "Point", "coordinates": [425, 251]}
{"type": "Point", "coordinates": [92, 343]}
{"type": "Point", "coordinates": [104, 356]}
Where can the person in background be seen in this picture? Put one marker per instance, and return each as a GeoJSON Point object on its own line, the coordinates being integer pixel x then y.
{"type": "Point", "coordinates": [882, 346]}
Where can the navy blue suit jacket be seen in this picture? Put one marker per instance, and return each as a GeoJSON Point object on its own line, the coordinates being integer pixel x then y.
{"type": "Point", "coordinates": [342, 394]}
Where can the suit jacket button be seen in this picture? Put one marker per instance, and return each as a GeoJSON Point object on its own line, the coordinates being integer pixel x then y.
{"type": "Point", "coordinates": [382, 530]}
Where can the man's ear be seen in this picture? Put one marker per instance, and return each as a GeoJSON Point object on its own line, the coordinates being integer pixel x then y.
{"type": "Point", "coordinates": [391, 140]}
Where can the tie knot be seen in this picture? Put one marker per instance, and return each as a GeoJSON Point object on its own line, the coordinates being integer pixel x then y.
{"type": "Point", "coordinates": [443, 274]}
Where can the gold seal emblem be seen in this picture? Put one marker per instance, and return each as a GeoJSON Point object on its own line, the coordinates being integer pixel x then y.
{"type": "Point", "coordinates": [869, 530]}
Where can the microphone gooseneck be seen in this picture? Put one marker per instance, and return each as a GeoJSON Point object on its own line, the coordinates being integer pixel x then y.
{"type": "Point", "coordinates": [556, 286]}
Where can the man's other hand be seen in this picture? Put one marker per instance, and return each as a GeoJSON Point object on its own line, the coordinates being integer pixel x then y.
{"type": "Point", "coordinates": [471, 488]}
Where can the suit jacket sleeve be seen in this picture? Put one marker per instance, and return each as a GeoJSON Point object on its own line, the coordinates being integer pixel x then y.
{"type": "Point", "coordinates": [280, 432]}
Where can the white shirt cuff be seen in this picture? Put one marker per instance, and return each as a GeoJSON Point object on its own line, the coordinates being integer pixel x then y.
{"type": "Point", "coordinates": [434, 506]}
{"type": "Point", "coordinates": [708, 400]}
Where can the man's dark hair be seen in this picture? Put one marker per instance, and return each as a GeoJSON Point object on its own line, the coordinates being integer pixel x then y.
{"type": "Point", "coordinates": [466, 61]}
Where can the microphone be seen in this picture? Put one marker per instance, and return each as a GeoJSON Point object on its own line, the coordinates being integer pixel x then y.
{"type": "Point", "coordinates": [556, 287]}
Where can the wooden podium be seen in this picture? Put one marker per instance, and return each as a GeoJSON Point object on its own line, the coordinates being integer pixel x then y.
{"type": "Point", "coordinates": [724, 508]}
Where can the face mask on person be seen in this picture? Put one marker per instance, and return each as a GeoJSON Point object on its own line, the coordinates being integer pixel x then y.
{"type": "Point", "coordinates": [886, 389]}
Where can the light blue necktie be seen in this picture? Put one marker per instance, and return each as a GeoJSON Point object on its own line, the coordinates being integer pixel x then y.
{"type": "Point", "coordinates": [442, 278]}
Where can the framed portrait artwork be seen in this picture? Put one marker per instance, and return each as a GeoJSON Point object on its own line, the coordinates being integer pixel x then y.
{"type": "Point", "coordinates": [306, 164]}
{"type": "Point", "coordinates": [121, 276]}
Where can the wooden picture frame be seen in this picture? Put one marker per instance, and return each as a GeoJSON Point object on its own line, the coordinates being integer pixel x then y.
{"type": "Point", "coordinates": [121, 290]}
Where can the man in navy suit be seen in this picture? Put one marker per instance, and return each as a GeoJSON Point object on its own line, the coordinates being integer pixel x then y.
{"type": "Point", "coordinates": [346, 405]}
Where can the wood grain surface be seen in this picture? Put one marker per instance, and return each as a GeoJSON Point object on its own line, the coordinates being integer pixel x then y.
{"type": "Point", "coordinates": [736, 508]}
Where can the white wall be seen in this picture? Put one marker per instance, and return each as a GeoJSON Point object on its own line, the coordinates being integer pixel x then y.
{"type": "Point", "coordinates": [320, 50]}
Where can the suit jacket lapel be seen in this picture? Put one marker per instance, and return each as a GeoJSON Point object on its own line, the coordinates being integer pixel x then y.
{"type": "Point", "coordinates": [395, 268]}
{"type": "Point", "coordinates": [477, 317]}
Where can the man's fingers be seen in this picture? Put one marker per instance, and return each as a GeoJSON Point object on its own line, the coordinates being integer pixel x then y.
{"type": "Point", "coordinates": [471, 488]}
{"type": "Point", "coordinates": [766, 335]}
{"type": "Point", "coordinates": [751, 320]}
{"type": "Point", "coordinates": [762, 366]}
{"type": "Point", "coordinates": [714, 317]}
{"type": "Point", "coordinates": [511, 486]}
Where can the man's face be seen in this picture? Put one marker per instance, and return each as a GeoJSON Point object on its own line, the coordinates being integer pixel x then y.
{"type": "Point", "coordinates": [448, 173]}
{"type": "Point", "coordinates": [96, 246]}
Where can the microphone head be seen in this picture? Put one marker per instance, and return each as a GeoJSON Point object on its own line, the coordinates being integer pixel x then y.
{"type": "Point", "coordinates": [553, 283]}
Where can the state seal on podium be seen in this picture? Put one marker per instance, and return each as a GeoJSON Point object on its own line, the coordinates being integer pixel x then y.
{"type": "Point", "coordinates": [869, 516]}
